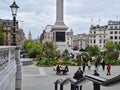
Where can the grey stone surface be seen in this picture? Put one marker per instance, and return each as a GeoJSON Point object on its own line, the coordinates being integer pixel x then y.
{"type": "Point", "coordinates": [43, 78]}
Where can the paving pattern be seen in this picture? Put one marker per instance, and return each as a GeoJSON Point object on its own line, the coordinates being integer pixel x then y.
{"type": "Point", "coordinates": [43, 78]}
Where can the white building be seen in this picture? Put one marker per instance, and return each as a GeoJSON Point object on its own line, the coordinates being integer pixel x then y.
{"type": "Point", "coordinates": [99, 35]}
{"type": "Point", "coordinates": [114, 31]}
{"type": "Point", "coordinates": [81, 41]}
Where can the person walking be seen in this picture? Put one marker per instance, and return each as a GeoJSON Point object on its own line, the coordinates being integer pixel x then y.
{"type": "Point", "coordinates": [89, 65]}
{"type": "Point", "coordinates": [58, 69]}
{"type": "Point", "coordinates": [103, 64]}
{"type": "Point", "coordinates": [108, 69]}
{"type": "Point", "coordinates": [83, 66]}
{"type": "Point", "coordinates": [96, 65]}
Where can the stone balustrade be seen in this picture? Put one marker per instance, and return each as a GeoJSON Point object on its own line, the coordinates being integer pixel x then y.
{"type": "Point", "coordinates": [10, 68]}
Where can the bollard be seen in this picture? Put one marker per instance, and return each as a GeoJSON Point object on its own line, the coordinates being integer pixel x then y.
{"type": "Point", "coordinates": [96, 86]}
{"type": "Point", "coordinates": [72, 87]}
{"type": "Point", "coordinates": [80, 87]}
{"type": "Point", "coordinates": [61, 87]}
{"type": "Point", "coordinates": [56, 86]}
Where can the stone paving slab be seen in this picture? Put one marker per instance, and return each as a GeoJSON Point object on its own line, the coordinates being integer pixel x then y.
{"type": "Point", "coordinates": [44, 78]}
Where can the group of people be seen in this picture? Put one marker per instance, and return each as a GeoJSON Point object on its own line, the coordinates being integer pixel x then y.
{"type": "Point", "coordinates": [96, 64]}
{"type": "Point", "coordinates": [108, 67]}
{"type": "Point", "coordinates": [79, 73]}
{"type": "Point", "coordinates": [63, 69]}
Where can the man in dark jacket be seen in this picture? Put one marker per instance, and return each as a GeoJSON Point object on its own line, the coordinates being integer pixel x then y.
{"type": "Point", "coordinates": [78, 74]}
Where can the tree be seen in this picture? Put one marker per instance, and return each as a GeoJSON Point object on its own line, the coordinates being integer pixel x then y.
{"type": "Point", "coordinates": [93, 50]}
{"type": "Point", "coordinates": [49, 54]}
{"type": "Point", "coordinates": [110, 46]}
{"type": "Point", "coordinates": [117, 47]}
{"type": "Point", "coordinates": [32, 48]}
{"type": "Point", "coordinates": [111, 52]}
{"type": "Point", "coordinates": [66, 52]}
{"type": "Point", "coordinates": [1, 35]}
{"type": "Point", "coordinates": [49, 50]}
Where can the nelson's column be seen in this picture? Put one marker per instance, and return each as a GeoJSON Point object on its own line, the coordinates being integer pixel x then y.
{"type": "Point", "coordinates": [59, 28]}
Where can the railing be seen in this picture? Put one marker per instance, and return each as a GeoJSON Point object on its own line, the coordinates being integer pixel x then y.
{"type": "Point", "coordinates": [97, 81]}
{"type": "Point", "coordinates": [10, 68]}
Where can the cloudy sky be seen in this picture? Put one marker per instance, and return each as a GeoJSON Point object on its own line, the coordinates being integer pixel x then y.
{"type": "Point", "coordinates": [34, 15]}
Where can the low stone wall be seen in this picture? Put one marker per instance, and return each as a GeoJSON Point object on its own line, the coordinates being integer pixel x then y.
{"type": "Point", "coordinates": [9, 67]}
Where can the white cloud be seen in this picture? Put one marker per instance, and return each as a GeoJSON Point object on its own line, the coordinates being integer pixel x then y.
{"type": "Point", "coordinates": [36, 14]}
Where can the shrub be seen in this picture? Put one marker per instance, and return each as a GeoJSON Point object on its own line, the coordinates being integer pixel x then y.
{"type": "Point", "coordinates": [113, 62]}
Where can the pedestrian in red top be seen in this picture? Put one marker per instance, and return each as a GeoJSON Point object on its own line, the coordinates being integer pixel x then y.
{"type": "Point", "coordinates": [108, 69]}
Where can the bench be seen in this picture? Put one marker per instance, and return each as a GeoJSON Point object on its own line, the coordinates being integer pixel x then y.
{"type": "Point", "coordinates": [62, 70]}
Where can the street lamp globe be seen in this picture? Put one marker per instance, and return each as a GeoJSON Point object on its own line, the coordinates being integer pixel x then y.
{"type": "Point", "coordinates": [14, 7]}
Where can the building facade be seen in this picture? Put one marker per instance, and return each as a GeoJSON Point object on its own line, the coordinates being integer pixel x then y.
{"type": "Point", "coordinates": [114, 31]}
{"type": "Point", "coordinates": [7, 29]}
{"type": "Point", "coordinates": [47, 34]}
{"type": "Point", "coordinates": [99, 35]}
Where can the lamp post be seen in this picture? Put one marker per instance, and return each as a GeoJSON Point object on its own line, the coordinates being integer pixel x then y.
{"type": "Point", "coordinates": [14, 8]}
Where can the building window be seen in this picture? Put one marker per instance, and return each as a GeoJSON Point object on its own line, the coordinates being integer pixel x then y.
{"type": "Point", "coordinates": [94, 36]}
{"type": "Point", "coordinates": [111, 37]}
{"type": "Point", "coordinates": [104, 36]}
{"type": "Point", "coordinates": [91, 32]}
{"type": "Point", "coordinates": [67, 38]}
{"type": "Point", "coordinates": [104, 32]}
{"type": "Point", "coordinates": [111, 27]}
{"type": "Point", "coordinates": [104, 41]}
{"type": "Point", "coordinates": [100, 41]}
{"type": "Point", "coordinates": [111, 32]}
{"type": "Point", "coordinates": [115, 37]}
{"type": "Point", "coordinates": [91, 41]}
{"type": "Point", "coordinates": [115, 32]}
{"type": "Point", "coordinates": [100, 36]}
{"type": "Point", "coordinates": [119, 37]}
{"type": "Point", "coordinates": [116, 27]}
{"type": "Point", "coordinates": [94, 41]}
{"type": "Point", "coordinates": [94, 32]}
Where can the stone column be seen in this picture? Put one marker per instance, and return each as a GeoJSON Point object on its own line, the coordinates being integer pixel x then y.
{"type": "Point", "coordinates": [59, 28]}
{"type": "Point", "coordinates": [19, 71]}
{"type": "Point", "coordinates": [59, 10]}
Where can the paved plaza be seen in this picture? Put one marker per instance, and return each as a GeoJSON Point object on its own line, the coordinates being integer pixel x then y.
{"type": "Point", "coordinates": [43, 78]}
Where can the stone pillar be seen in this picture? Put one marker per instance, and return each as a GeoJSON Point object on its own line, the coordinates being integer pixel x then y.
{"type": "Point", "coordinates": [59, 28]}
{"type": "Point", "coordinates": [60, 14]}
{"type": "Point", "coordinates": [19, 71]}
{"type": "Point", "coordinates": [59, 11]}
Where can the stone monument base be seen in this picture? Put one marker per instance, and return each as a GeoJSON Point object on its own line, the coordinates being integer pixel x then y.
{"type": "Point", "coordinates": [61, 46]}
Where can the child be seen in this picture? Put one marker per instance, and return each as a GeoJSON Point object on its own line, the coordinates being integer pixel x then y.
{"type": "Point", "coordinates": [108, 69]}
